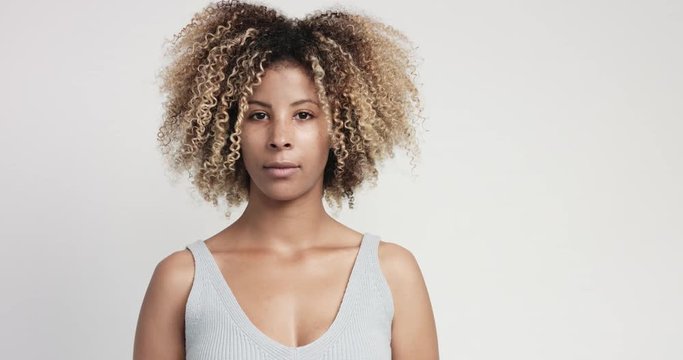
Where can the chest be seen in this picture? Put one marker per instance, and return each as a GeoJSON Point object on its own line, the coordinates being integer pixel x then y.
{"type": "Point", "coordinates": [293, 301]}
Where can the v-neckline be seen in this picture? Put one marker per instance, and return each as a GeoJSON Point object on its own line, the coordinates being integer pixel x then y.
{"type": "Point", "coordinates": [276, 348]}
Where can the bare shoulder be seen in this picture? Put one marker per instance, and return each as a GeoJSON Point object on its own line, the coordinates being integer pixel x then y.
{"type": "Point", "coordinates": [395, 257]}
{"type": "Point", "coordinates": [401, 268]}
{"type": "Point", "coordinates": [176, 269]}
{"type": "Point", "coordinates": [413, 327]}
{"type": "Point", "coordinates": [161, 322]}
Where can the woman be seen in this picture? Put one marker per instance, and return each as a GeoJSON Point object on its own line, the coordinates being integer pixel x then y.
{"type": "Point", "coordinates": [282, 113]}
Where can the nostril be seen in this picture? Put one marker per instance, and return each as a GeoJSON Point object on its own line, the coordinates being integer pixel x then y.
{"type": "Point", "coordinates": [286, 145]}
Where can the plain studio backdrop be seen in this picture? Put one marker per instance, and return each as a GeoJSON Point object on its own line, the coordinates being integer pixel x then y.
{"type": "Point", "coordinates": [546, 212]}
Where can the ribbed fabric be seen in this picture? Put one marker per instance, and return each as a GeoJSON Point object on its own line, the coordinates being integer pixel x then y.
{"type": "Point", "coordinates": [216, 327]}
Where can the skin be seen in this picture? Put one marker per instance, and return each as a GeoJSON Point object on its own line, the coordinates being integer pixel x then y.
{"type": "Point", "coordinates": [286, 242]}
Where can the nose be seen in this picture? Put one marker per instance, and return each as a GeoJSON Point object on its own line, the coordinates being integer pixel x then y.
{"type": "Point", "coordinates": [280, 133]}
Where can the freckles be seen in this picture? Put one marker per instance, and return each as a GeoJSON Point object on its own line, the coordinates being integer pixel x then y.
{"type": "Point", "coordinates": [311, 132]}
{"type": "Point", "coordinates": [322, 137]}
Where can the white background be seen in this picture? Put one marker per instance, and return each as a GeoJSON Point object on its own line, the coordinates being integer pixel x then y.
{"type": "Point", "coordinates": [546, 214]}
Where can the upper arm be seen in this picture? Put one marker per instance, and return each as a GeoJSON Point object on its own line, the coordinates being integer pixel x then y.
{"type": "Point", "coordinates": [413, 328]}
{"type": "Point", "coordinates": [160, 332]}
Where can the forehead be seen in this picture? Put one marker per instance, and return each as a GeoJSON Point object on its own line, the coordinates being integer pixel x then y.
{"type": "Point", "coordinates": [285, 79]}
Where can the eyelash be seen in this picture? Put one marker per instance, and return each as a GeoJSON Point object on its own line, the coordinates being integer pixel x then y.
{"type": "Point", "coordinates": [299, 112]}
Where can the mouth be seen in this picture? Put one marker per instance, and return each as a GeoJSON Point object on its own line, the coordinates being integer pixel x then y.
{"type": "Point", "coordinates": [281, 167]}
{"type": "Point", "coordinates": [282, 164]}
{"type": "Point", "coordinates": [281, 172]}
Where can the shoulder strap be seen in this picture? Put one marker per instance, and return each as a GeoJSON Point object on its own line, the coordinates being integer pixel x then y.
{"type": "Point", "coordinates": [369, 250]}
{"type": "Point", "coordinates": [200, 255]}
{"type": "Point", "coordinates": [376, 275]}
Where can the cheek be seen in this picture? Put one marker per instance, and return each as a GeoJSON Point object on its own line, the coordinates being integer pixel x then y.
{"type": "Point", "coordinates": [323, 148]}
{"type": "Point", "coordinates": [247, 150]}
{"type": "Point", "coordinates": [327, 136]}
{"type": "Point", "coordinates": [325, 142]}
{"type": "Point", "coordinates": [321, 142]}
{"type": "Point", "coordinates": [248, 139]}
{"type": "Point", "coordinates": [324, 133]}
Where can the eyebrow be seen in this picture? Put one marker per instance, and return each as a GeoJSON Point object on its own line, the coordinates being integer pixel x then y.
{"type": "Point", "coordinates": [298, 102]}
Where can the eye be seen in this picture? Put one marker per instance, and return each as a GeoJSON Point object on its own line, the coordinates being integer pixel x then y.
{"type": "Point", "coordinates": [259, 115]}
{"type": "Point", "coordinates": [305, 114]}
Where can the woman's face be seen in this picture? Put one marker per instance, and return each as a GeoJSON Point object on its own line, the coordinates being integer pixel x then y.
{"type": "Point", "coordinates": [285, 139]}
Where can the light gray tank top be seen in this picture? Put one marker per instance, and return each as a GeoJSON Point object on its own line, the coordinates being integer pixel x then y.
{"type": "Point", "coordinates": [216, 327]}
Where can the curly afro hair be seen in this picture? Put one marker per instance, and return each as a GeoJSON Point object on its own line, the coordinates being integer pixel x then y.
{"type": "Point", "coordinates": [363, 71]}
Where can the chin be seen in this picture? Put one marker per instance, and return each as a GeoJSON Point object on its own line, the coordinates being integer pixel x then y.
{"type": "Point", "coordinates": [281, 193]}
{"type": "Point", "coordinates": [284, 190]}
{"type": "Point", "coordinates": [283, 197]}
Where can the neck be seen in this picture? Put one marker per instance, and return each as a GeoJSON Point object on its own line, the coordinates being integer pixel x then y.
{"type": "Point", "coordinates": [285, 225]}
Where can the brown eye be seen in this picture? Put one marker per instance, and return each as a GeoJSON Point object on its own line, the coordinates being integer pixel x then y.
{"type": "Point", "coordinates": [258, 116]}
{"type": "Point", "coordinates": [304, 114]}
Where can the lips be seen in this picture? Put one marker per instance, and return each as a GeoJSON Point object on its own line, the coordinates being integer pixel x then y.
{"type": "Point", "coordinates": [281, 169]}
{"type": "Point", "coordinates": [280, 165]}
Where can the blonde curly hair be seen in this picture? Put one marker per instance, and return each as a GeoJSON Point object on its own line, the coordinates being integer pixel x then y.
{"type": "Point", "coordinates": [363, 71]}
